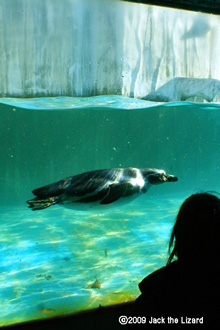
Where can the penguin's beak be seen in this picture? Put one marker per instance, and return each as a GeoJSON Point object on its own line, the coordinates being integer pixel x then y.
{"type": "Point", "coordinates": [170, 178]}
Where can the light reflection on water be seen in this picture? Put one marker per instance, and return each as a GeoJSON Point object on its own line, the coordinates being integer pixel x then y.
{"type": "Point", "coordinates": [49, 258]}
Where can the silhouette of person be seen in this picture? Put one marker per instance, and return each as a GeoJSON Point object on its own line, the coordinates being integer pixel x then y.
{"type": "Point", "coordinates": [187, 288]}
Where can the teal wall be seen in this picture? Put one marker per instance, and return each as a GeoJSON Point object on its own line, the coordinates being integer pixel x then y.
{"type": "Point", "coordinates": [40, 147]}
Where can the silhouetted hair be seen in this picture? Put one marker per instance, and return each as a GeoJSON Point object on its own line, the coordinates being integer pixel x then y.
{"type": "Point", "coordinates": [196, 232]}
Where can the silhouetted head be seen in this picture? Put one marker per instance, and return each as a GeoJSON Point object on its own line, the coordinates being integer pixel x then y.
{"type": "Point", "coordinates": [195, 238]}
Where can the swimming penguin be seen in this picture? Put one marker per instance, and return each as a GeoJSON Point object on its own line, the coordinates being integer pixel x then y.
{"type": "Point", "coordinates": [99, 189]}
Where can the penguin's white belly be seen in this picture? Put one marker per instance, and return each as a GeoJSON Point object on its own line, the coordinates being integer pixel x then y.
{"type": "Point", "coordinates": [81, 206]}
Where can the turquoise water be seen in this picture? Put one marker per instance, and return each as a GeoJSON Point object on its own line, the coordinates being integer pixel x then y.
{"type": "Point", "coordinates": [50, 259]}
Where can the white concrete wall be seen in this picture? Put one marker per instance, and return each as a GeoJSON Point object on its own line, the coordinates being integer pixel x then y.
{"type": "Point", "coordinates": [92, 47]}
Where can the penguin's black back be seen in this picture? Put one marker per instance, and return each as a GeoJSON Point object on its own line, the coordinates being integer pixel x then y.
{"type": "Point", "coordinates": [83, 183]}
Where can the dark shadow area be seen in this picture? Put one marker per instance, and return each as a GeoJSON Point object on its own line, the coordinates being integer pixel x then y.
{"type": "Point", "coordinates": [99, 318]}
{"type": "Point", "coordinates": [208, 6]}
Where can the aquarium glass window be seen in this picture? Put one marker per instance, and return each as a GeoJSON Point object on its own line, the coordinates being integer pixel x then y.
{"type": "Point", "coordinates": [88, 86]}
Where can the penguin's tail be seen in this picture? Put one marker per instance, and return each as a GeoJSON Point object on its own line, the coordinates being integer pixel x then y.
{"type": "Point", "coordinates": [40, 203]}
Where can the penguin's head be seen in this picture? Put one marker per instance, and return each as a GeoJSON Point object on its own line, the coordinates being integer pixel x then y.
{"type": "Point", "coordinates": [160, 176]}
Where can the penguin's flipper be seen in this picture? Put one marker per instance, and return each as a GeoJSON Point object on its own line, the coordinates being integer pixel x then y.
{"type": "Point", "coordinates": [118, 190]}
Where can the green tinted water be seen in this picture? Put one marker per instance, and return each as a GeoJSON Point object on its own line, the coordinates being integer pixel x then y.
{"type": "Point", "coordinates": [50, 258]}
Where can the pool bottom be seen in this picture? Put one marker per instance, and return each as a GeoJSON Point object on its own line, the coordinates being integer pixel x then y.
{"type": "Point", "coordinates": [58, 261]}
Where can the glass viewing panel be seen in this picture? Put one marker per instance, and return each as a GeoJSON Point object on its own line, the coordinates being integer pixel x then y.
{"type": "Point", "coordinates": [90, 85]}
